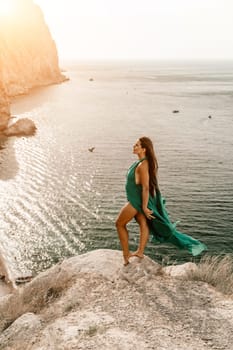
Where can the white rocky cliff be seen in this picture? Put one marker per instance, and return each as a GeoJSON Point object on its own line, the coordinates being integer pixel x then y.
{"type": "Point", "coordinates": [93, 302]}
{"type": "Point", "coordinates": [28, 54]}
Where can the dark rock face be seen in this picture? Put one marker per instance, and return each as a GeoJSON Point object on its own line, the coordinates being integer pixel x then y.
{"type": "Point", "coordinates": [28, 54]}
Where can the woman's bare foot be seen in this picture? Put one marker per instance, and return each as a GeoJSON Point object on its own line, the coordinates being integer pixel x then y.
{"type": "Point", "coordinates": [138, 254]}
{"type": "Point", "coordinates": [126, 259]}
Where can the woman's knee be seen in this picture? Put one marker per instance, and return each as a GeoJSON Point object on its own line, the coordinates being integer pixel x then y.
{"type": "Point", "coordinates": [126, 215]}
{"type": "Point", "coordinates": [119, 223]}
{"type": "Point", "coordinates": [141, 219]}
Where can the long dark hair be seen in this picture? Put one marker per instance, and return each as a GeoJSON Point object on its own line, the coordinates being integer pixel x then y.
{"type": "Point", "coordinates": [153, 164]}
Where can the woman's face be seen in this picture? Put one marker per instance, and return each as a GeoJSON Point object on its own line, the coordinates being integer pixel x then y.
{"type": "Point", "coordinates": [137, 149]}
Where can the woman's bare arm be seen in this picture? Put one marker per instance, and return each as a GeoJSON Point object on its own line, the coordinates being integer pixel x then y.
{"type": "Point", "coordinates": [143, 172]}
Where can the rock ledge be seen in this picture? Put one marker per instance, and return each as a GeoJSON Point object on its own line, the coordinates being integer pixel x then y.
{"type": "Point", "coordinates": [92, 302]}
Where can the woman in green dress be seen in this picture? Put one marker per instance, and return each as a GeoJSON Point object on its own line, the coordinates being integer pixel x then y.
{"type": "Point", "coordinates": [147, 206]}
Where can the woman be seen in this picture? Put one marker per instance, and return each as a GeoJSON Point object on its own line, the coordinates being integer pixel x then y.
{"type": "Point", "coordinates": [146, 205]}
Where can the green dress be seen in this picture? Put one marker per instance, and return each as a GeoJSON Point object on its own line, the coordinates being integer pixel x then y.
{"type": "Point", "coordinates": [162, 229]}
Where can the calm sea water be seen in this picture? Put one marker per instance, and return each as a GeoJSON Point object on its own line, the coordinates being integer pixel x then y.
{"type": "Point", "coordinates": [58, 199]}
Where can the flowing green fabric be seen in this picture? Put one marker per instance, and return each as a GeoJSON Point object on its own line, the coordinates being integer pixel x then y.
{"type": "Point", "coordinates": [162, 229]}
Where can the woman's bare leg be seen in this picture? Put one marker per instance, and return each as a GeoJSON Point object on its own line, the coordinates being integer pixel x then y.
{"type": "Point", "coordinates": [126, 214]}
{"type": "Point", "coordinates": [144, 235]}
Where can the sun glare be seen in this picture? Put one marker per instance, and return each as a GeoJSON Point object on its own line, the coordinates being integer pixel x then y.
{"type": "Point", "coordinates": [6, 7]}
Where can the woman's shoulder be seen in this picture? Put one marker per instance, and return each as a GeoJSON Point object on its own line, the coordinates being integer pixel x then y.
{"type": "Point", "coordinates": [143, 165]}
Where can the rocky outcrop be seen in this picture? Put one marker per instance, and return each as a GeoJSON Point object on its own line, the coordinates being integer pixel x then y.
{"type": "Point", "coordinates": [22, 127]}
{"type": "Point", "coordinates": [28, 55]}
{"type": "Point", "coordinates": [4, 107]}
{"type": "Point", "coordinates": [93, 302]}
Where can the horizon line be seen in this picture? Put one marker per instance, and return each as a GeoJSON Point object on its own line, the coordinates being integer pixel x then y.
{"type": "Point", "coordinates": [96, 59]}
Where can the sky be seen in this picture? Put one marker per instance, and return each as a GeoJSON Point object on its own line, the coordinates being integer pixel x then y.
{"type": "Point", "coordinates": [141, 29]}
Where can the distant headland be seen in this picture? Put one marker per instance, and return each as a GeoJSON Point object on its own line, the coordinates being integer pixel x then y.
{"type": "Point", "coordinates": [28, 59]}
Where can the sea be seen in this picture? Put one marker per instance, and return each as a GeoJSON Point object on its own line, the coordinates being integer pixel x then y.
{"type": "Point", "coordinates": [62, 189]}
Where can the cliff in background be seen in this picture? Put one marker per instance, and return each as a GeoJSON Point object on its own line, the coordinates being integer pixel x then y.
{"type": "Point", "coordinates": [28, 54]}
{"type": "Point", "coordinates": [4, 106]}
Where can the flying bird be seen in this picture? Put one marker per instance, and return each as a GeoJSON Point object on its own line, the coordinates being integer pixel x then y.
{"type": "Point", "coordinates": [91, 149]}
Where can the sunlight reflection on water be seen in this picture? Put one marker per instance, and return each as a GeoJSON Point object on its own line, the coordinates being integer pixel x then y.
{"type": "Point", "coordinates": [58, 199]}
